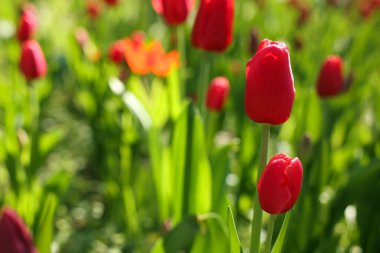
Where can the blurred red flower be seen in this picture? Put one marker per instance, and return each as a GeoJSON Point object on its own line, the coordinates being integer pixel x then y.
{"type": "Point", "coordinates": [14, 235]}
{"type": "Point", "coordinates": [28, 23]}
{"type": "Point", "coordinates": [217, 93]}
{"type": "Point", "coordinates": [32, 61]}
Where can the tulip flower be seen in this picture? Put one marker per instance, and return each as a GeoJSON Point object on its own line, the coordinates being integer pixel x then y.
{"type": "Point", "coordinates": [14, 235]}
{"type": "Point", "coordinates": [93, 9]}
{"type": "Point", "coordinates": [27, 25]}
{"type": "Point", "coordinates": [213, 26]}
{"type": "Point", "coordinates": [217, 93]}
{"type": "Point", "coordinates": [144, 58]}
{"type": "Point", "coordinates": [111, 2]}
{"type": "Point", "coordinates": [330, 80]}
{"type": "Point", "coordinates": [174, 12]}
{"type": "Point", "coordinates": [270, 92]}
{"type": "Point", "coordinates": [116, 52]}
{"type": "Point", "coordinates": [280, 184]}
{"type": "Point", "coordinates": [32, 62]}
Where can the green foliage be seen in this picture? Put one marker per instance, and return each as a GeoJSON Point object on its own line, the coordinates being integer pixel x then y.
{"type": "Point", "coordinates": [96, 158]}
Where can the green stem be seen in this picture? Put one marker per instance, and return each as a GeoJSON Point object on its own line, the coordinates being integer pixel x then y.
{"type": "Point", "coordinates": [257, 212]}
{"type": "Point", "coordinates": [203, 83]}
{"type": "Point", "coordinates": [211, 128]}
{"type": "Point", "coordinates": [268, 242]}
{"type": "Point", "coordinates": [34, 129]}
{"type": "Point", "coordinates": [188, 164]}
{"type": "Point", "coordinates": [181, 45]}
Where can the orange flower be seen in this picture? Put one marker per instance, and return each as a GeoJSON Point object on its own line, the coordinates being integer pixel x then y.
{"type": "Point", "coordinates": [166, 64]}
{"type": "Point", "coordinates": [136, 57]}
{"type": "Point", "coordinates": [145, 58]}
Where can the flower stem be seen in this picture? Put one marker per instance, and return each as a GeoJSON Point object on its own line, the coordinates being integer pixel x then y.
{"type": "Point", "coordinates": [257, 212]}
{"type": "Point", "coordinates": [203, 82]}
{"type": "Point", "coordinates": [181, 45]}
{"type": "Point", "coordinates": [34, 132]}
{"type": "Point", "coordinates": [268, 242]}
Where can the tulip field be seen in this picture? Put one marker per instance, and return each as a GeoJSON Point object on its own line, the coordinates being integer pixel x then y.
{"type": "Point", "coordinates": [189, 126]}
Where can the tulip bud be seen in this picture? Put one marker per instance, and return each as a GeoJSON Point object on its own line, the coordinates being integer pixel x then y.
{"type": "Point", "coordinates": [93, 9]}
{"type": "Point", "coordinates": [117, 51]}
{"type": "Point", "coordinates": [27, 25]}
{"type": "Point", "coordinates": [269, 93]}
{"type": "Point", "coordinates": [217, 93]}
{"type": "Point", "coordinates": [213, 25]}
{"type": "Point", "coordinates": [280, 184]}
{"type": "Point", "coordinates": [175, 12]}
{"type": "Point", "coordinates": [330, 81]}
{"type": "Point", "coordinates": [32, 62]}
{"type": "Point", "coordinates": [81, 36]}
{"type": "Point", "coordinates": [111, 2]}
{"type": "Point", "coordinates": [14, 235]}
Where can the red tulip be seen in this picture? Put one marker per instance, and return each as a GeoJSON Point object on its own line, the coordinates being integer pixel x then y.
{"type": "Point", "coordinates": [280, 184]}
{"type": "Point", "coordinates": [111, 2]}
{"type": "Point", "coordinates": [269, 93]}
{"type": "Point", "coordinates": [32, 63]}
{"type": "Point", "coordinates": [330, 81]}
{"type": "Point", "coordinates": [175, 12]}
{"type": "Point", "coordinates": [93, 9]}
{"type": "Point", "coordinates": [117, 51]}
{"type": "Point", "coordinates": [27, 25]}
{"type": "Point", "coordinates": [213, 26]}
{"type": "Point", "coordinates": [217, 93]}
{"type": "Point", "coordinates": [14, 235]}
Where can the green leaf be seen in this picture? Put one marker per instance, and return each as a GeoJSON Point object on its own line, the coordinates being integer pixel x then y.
{"type": "Point", "coordinates": [159, 109]}
{"type": "Point", "coordinates": [234, 241]}
{"type": "Point", "coordinates": [220, 167]}
{"type": "Point", "coordinates": [212, 236]}
{"type": "Point", "coordinates": [45, 224]}
{"type": "Point", "coordinates": [161, 166]}
{"type": "Point", "coordinates": [136, 107]}
{"type": "Point", "coordinates": [174, 94]}
{"type": "Point", "coordinates": [182, 236]}
{"type": "Point", "coordinates": [48, 142]}
{"type": "Point", "coordinates": [279, 244]}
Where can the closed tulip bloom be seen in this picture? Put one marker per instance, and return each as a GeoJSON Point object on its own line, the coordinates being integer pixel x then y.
{"type": "Point", "coordinates": [27, 25]}
{"type": "Point", "coordinates": [280, 184]}
{"type": "Point", "coordinates": [217, 93]}
{"type": "Point", "coordinates": [112, 2]}
{"type": "Point", "coordinates": [174, 12]}
{"type": "Point", "coordinates": [270, 92]}
{"type": "Point", "coordinates": [32, 63]}
{"type": "Point", "coordinates": [213, 26]}
{"type": "Point", "coordinates": [14, 235]}
{"type": "Point", "coordinates": [116, 52]}
{"type": "Point", "coordinates": [93, 9]}
{"type": "Point", "coordinates": [330, 80]}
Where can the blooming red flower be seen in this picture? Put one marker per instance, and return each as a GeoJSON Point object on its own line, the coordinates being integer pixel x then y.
{"type": "Point", "coordinates": [27, 25]}
{"type": "Point", "coordinates": [330, 80]}
{"type": "Point", "coordinates": [217, 93]}
{"type": "Point", "coordinates": [174, 12]}
{"type": "Point", "coordinates": [14, 235]}
{"type": "Point", "coordinates": [116, 52]}
{"type": "Point", "coordinates": [270, 92]}
{"type": "Point", "coordinates": [280, 184]}
{"type": "Point", "coordinates": [213, 26]}
{"type": "Point", "coordinates": [32, 62]}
